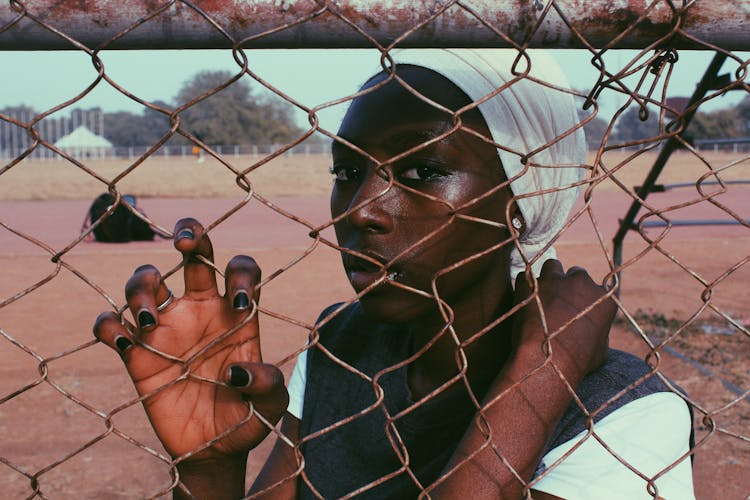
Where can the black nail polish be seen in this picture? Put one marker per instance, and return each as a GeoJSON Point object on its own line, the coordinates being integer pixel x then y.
{"type": "Point", "coordinates": [185, 233]}
{"type": "Point", "coordinates": [238, 377]}
{"type": "Point", "coordinates": [123, 343]}
{"type": "Point", "coordinates": [145, 319]}
{"type": "Point", "coordinates": [241, 301]}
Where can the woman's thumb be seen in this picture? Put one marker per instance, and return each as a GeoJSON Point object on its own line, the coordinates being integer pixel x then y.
{"type": "Point", "coordinates": [262, 383]}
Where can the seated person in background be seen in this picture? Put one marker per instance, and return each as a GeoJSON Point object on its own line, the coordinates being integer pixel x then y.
{"type": "Point", "coordinates": [440, 377]}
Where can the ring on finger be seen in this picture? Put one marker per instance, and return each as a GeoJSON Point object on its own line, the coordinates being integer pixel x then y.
{"type": "Point", "coordinates": [166, 302]}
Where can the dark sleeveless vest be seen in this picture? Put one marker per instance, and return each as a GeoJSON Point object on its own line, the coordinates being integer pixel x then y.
{"type": "Point", "coordinates": [360, 452]}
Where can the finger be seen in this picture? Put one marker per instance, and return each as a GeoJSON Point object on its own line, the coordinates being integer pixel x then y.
{"type": "Point", "coordinates": [581, 283]}
{"type": "Point", "coordinates": [262, 383]}
{"type": "Point", "coordinates": [551, 278]}
{"type": "Point", "coordinates": [109, 331]}
{"type": "Point", "coordinates": [552, 266]}
{"type": "Point", "coordinates": [241, 282]}
{"type": "Point", "coordinates": [523, 286]}
{"type": "Point", "coordinates": [580, 272]}
{"type": "Point", "coordinates": [583, 280]}
{"type": "Point", "coordinates": [191, 239]}
{"type": "Point", "coordinates": [144, 291]}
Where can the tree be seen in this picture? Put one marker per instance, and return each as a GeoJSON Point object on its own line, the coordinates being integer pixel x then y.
{"type": "Point", "coordinates": [594, 129]}
{"type": "Point", "coordinates": [743, 112]}
{"type": "Point", "coordinates": [722, 123]}
{"type": "Point", "coordinates": [629, 126]}
{"type": "Point", "coordinates": [128, 129]}
{"type": "Point", "coordinates": [234, 115]}
{"type": "Point", "coordinates": [719, 124]}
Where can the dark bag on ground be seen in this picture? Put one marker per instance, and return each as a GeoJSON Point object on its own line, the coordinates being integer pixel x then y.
{"type": "Point", "coordinates": [122, 225]}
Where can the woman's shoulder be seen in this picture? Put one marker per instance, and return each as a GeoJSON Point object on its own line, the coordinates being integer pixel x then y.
{"type": "Point", "coordinates": [339, 317]}
{"type": "Point", "coordinates": [621, 370]}
{"type": "Point", "coordinates": [625, 362]}
{"type": "Point", "coordinates": [624, 378]}
{"type": "Point", "coordinates": [651, 435]}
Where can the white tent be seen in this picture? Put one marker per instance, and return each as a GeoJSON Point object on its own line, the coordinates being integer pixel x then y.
{"type": "Point", "coordinates": [84, 143]}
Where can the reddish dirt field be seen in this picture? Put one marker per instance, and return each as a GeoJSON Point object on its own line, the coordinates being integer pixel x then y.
{"type": "Point", "coordinates": [41, 430]}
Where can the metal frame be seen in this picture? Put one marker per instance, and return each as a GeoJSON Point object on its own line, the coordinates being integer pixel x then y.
{"type": "Point", "coordinates": [186, 24]}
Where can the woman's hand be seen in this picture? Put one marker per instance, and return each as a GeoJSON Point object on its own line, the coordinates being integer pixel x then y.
{"type": "Point", "coordinates": [197, 361]}
{"type": "Point", "coordinates": [578, 347]}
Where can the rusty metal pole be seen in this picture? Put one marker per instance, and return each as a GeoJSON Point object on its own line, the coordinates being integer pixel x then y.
{"type": "Point", "coordinates": [98, 24]}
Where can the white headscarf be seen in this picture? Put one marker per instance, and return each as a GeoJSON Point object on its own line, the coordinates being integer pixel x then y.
{"type": "Point", "coordinates": [522, 118]}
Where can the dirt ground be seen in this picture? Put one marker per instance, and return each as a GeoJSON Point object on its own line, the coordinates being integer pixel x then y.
{"type": "Point", "coordinates": [55, 427]}
{"type": "Point", "coordinates": [176, 177]}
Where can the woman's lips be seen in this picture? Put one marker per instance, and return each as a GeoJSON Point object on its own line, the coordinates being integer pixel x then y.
{"type": "Point", "coordinates": [362, 280]}
{"type": "Point", "coordinates": [364, 273]}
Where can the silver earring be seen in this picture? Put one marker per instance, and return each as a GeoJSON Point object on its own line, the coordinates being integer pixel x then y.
{"type": "Point", "coordinates": [517, 223]}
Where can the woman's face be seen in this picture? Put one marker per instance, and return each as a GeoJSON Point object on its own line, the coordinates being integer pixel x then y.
{"type": "Point", "coordinates": [418, 226]}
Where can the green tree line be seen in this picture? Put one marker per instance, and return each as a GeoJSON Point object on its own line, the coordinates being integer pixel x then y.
{"type": "Point", "coordinates": [233, 115]}
{"type": "Point", "coordinates": [727, 123]}
{"type": "Point", "coordinates": [237, 115]}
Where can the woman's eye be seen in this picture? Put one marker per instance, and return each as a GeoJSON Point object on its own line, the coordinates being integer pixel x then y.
{"type": "Point", "coordinates": [344, 173]}
{"type": "Point", "coordinates": [421, 173]}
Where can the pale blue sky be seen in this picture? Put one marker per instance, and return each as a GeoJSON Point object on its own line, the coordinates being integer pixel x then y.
{"type": "Point", "coordinates": [44, 79]}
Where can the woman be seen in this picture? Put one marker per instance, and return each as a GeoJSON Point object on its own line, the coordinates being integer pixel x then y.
{"type": "Point", "coordinates": [438, 203]}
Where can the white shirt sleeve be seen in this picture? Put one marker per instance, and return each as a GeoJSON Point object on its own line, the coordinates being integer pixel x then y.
{"type": "Point", "coordinates": [296, 387]}
{"type": "Point", "coordinates": [649, 433]}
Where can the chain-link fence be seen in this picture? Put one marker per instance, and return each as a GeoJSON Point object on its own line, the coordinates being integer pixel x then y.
{"type": "Point", "coordinates": [408, 403]}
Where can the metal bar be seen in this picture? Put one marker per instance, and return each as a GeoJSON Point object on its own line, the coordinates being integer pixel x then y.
{"type": "Point", "coordinates": [734, 140]}
{"type": "Point", "coordinates": [660, 188]}
{"type": "Point", "coordinates": [626, 223]}
{"type": "Point", "coordinates": [95, 22]}
{"type": "Point", "coordinates": [694, 222]}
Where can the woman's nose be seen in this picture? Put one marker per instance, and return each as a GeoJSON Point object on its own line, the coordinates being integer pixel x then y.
{"type": "Point", "coordinates": [371, 208]}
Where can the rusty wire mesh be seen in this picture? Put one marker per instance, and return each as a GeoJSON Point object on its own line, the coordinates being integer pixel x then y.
{"type": "Point", "coordinates": [105, 453]}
